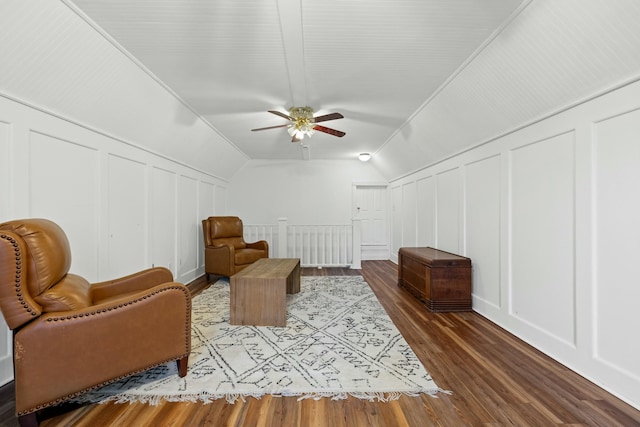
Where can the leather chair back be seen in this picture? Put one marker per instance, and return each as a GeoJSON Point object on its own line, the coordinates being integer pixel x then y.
{"type": "Point", "coordinates": [224, 230]}
{"type": "Point", "coordinates": [34, 255]}
{"type": "Point", "coordinates": [71, 336]}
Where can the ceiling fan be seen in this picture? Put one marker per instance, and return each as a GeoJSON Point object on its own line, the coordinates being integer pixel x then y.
{"type": "Point", "coordinates": [303, 123]}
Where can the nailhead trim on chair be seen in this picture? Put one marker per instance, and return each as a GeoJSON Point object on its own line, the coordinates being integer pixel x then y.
{"type": "Point", "coordinates": [104, 310]}
{"type": "Point", "coordinates": [72, 395]}
{"type": "Point", "coordinates": [18, 287]}
{"type": "Point", "coordinates": [18, 280]}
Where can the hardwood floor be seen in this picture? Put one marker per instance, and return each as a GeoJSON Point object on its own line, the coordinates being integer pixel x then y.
{"type": "Point", "coordinates": [496, 380]}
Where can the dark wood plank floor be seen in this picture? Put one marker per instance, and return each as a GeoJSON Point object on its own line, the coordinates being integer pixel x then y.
{"type": "Point", "coordinates": [496, 380]}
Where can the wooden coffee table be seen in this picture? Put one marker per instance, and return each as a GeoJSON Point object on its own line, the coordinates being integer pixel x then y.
{"type": "Point", "coordinates": [259, 292]}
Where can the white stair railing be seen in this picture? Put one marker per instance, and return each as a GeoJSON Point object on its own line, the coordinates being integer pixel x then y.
{"type": "Point", "coordinates": [268, 232]}
{"type": "Point", "coordinates": [315, 245]}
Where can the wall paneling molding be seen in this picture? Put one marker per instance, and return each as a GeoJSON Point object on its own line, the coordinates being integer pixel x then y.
{"type": "Point", "coordinates": [123, 208]}
{"type": "Point", "coordinates": [548, 215]}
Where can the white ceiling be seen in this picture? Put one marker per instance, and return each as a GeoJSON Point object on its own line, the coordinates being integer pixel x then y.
{"type": "Point", "coordinates": [417, 81]}
{"type": "Point", "coordinates": [377, 62]}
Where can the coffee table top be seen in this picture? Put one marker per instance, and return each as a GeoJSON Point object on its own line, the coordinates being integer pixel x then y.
{"type": "Point", "coordinates": [269, 268]}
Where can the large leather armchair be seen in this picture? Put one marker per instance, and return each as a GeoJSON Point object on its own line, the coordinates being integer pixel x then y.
{"type": "Point", "coordinates": [71, 336]}
{"type": "Point", "coordinates": [225, 251]}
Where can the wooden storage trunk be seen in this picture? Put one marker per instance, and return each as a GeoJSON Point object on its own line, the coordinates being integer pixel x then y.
{"type": "Point", "coordinates": [440, 279]}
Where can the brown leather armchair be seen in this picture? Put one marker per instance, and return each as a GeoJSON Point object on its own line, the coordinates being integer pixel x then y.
{"type": "Point", "coordinates": [225, 251]}
{"type": "Point", "coordinates": [71, 336]}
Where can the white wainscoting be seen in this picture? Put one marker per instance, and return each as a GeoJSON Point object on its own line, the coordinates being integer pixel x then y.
{"type": "Point", "coordinates": [616, 238]}
{"type": "Point", "coordinates": [6, 337]}
{"type": "Point", "coordinates": [549, 216]}
{"type": "Point", "coordinates": [206, 205]}
{"type": "Point", "coordinates": [426, 212]}
{"type": "Point", "coordinates": [123, 208]}
{"type": "Point", "coordinates": [408, 213]}
{"type": "Point", "coordinates": [397, 209]}
{"type": "Point", "coordinates": [542, 199]}
{"type": "Point", "coordinates": [126, 215]}
{"type": "Point", "coordinates": [162, 228]}
{"type": "Point", "coordinates": [73, 170]}
{"type": "Point", "coordinates": [189, 222]}
{"type": "Point", "coordinates": [448, 210]}
{"type": "Point", "coordinates": [482, 187]}
{"type": "Point", "coordinates": [5, 128]}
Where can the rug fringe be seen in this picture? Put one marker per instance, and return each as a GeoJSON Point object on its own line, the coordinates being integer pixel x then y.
{"type": "Point", "coordinates": [231, 398]}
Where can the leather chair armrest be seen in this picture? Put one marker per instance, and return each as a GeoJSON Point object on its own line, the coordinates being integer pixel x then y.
{"type": "Point", "coordinates": [220, 259]}
{"type": "Point", "coordinates": [139, 281]}
{"type": "Point", "coordinates": [260, 244]}
{"type": "Point", "coordinates": [114, 340]}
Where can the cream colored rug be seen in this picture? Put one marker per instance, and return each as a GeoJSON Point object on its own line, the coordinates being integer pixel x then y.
{"type": "Point", "coordinates": [338, 342]}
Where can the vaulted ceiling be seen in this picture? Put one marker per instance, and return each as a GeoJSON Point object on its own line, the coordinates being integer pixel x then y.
{"type": "Point", "coordinates": [416, 80]}
{"type": "Point", "coordinates": [374, 61]}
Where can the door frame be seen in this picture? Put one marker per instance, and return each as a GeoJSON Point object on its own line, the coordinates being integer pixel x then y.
{"type": "Point", "coordinates": [365, 253]}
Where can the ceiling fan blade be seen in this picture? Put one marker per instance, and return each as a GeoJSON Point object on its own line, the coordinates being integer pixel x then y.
{"type": "Point", "coordinates": [326, 117]}
{"type": "Point", "coordinates": [283, 115]}
{"type": "Point", "coordinates": [330, 131]}
{"type": "Point", "coordinates": [271, 127]}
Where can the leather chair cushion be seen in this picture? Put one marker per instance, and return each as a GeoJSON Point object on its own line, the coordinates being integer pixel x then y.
{"type": "Point", "coordinates": [71, 293]}
{"type": "Point", "coordinates": [248, 256]}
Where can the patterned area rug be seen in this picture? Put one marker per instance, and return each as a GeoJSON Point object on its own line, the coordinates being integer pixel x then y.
{"type": "Point", "coordinates": [338, 341]}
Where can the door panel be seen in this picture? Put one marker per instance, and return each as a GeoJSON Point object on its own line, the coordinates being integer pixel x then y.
{"type": "Point", "coordinates": [370, 207]}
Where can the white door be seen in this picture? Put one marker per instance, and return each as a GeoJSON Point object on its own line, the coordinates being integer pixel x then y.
{"type": "Point", "coordinates": [370, 207]}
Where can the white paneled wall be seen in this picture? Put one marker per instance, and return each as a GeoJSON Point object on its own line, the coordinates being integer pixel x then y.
{"type": "Point", "coordinates": [482, 188]}
{"type": "Point", "coordinates": [396, 220]}
{"type": "Point", "coordinates": [616, 243]}
{"type": "Point", "coordinates": [123, 208]}
{"type": "Point", "coordinates": [206, 197]}
{"type": "Point", "coordinates": [6, 355]}
{"type": "Point", "coordinates": [426, 219]}
{"type": "Point", "coordinates": [549, 216]}
{"type": "Point", "coordinates": [59, 163]}
{"type": "Point", "coordinates": [448, 210]}
{"type": "Point", "coordinates": [409, 196]}
{"type": "Point", "coordinates": [542, 238]}
{"type": "Point", "coordinates": [189, 222]}
{"type": "Point", "coordinates": [126, 216]}
{"type": "Point", "coordinates": [162, 228]}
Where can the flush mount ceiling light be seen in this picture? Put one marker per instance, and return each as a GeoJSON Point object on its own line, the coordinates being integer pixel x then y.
{"type": "Point", "coordinates": [364, 157]}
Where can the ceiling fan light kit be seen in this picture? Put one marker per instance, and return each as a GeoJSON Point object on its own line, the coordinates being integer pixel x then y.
{"type": "Point", "coordinates": [304, 123]}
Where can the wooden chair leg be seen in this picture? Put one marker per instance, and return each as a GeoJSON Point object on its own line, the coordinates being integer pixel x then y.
{"type": "Point", "coordinates": [29, 420]}
{"type": "Point", "coordinates": [182, 366]}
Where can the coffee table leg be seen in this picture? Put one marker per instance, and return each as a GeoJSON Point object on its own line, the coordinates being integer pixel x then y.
{"type": "Point", "coordinates": [293, 280]}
